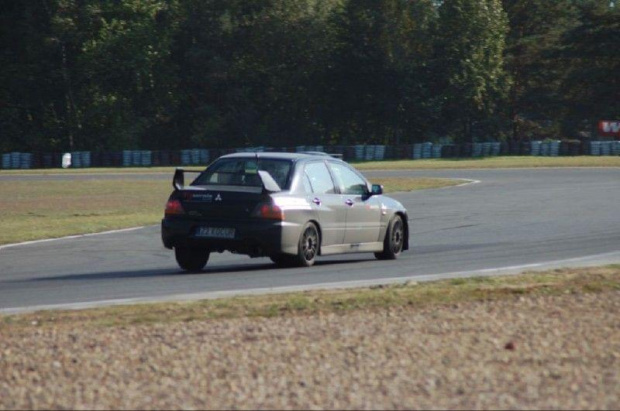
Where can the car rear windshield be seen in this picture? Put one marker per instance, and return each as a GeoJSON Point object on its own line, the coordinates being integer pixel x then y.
{"type": "Point", "coordinates": [244, 172]}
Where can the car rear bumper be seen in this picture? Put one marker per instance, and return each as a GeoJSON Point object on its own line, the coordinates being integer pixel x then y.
{"type": "Point", "coordinates": [254, 238]}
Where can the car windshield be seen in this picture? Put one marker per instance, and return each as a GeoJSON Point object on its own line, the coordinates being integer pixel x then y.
{"type": "Point", "coordinates": [244, 172]}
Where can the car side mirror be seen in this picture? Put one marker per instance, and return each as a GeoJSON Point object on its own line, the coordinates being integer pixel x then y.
{"type": "Point", "coordinates": [377, 190]}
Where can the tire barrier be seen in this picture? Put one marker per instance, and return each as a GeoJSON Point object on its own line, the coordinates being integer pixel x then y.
{"type": "Point", "coordinates": [193, 157]}
{"type": "Point", "coordinates": [300, 149]}
{"type": "Point", "coordinates": [127, 158]}
{"type": "Point", "coordinates": [360, 152]}
{"type": "Point", "coordinates": [16, 160]}
{"type": "Point", "coordinates": [146, 158]}
{"type": "Point", "coordinates": [422, 150]}
{"type": "Point", "coordinates": [427, 150]}
{"type": "Point", "coordinates": [203, 157]}
{"type": "Point", "coordinates": [369, 153]}
{"type": "Point", "coordinates": [554, 148]}
{"type": "Point", "coordinates": [253, 149]}
{"type": "Point", "coordinates": [379, 152]}
{"type": "Point", "coordinates": [606, 148]}
{"type": "Point", "coordinates": [486, 149]}
{"type": "Point", "coordinates": [339, 150]}
{"type": "Point", "coordinates": [76, 159]}
{"type": "Point", "coordinates": [136, 157]}
{"type": "Point", "coordinates": [186, 157]}
{"type": "Point", "coordinates": [548, 148]}
{"type": "Point", "coordinates": [25, 161]}
{"type": "Point", "coordinates": [86, 158]}
{"type": "Point", "coordinates": [476, 150]}
{"type": "Point", "coordinates": [417, 151]}
{"type": "Point", "coordinates": [81, 159]}
{"type": "Point", "coordinates": [133, 158]}
{"type": "Point", "coordinates": [496, 149]}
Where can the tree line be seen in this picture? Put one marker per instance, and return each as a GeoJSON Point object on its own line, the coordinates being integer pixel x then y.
{"type": "Point", "coordinates": [169, 74]}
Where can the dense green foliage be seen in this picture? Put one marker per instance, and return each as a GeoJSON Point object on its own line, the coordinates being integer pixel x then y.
{"type": "Point", "coordinates": [169, 74]}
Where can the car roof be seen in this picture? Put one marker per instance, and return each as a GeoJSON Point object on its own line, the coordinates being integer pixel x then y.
{"type": "Point", "coordinates": [280, 155]}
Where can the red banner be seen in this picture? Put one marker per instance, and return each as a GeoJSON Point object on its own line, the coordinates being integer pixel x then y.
{"type": "Point", "coordinates": [608, 128]}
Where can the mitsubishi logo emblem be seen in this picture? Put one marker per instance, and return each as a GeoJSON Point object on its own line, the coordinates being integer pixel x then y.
{"type": "Point", "coordinates": [218, 197]}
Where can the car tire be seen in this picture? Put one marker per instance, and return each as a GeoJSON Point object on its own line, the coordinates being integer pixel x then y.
{"type": "Point", "coordinates": [282, 260]}
{"type": "Point", "coordinates": [394, 240]}
{"type": "Point", "coordinates": [308, 246]}
{"type": "Point", "coordinates": [191, 259]}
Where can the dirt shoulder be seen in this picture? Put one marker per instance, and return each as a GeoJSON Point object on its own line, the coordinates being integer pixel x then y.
{"type": "Point", "coordinates": [548, 340]}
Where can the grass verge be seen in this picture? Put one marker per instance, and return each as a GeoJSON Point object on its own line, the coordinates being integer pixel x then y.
{"type": "Point", "coordinates": [444, 292]}
{"type": "Point", "coordinates": [427, 164]}
{"type": "Point", "coordinates": [492, 162]}
{"type": "Point", "coordinates": [47, 209]}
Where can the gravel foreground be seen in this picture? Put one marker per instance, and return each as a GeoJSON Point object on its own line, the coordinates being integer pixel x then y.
{"type": "Point", "coordinates": [523, 352]}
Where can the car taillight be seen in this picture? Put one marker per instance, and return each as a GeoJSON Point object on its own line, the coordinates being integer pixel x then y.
{"type": "Point", "coordinates": [174, 207]}
{"type": "Point", "coordinates": [269, 211]}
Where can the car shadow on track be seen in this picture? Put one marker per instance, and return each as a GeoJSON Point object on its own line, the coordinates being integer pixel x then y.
{"type": "Point", "coordinates": [175, 272]}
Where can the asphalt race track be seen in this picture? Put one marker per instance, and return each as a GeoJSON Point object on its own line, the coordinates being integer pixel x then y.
{"type": "Point", "coordinates": [509, 221]}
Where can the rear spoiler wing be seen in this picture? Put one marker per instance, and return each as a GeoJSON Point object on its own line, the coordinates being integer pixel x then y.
{"type": "Point", "coordinates": [178, 181]}
{"type": "Point", "coordinates": [269, 184]}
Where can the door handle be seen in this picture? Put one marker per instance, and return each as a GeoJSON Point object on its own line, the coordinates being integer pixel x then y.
{"type": "Point", "coordinates": [317, 201]}
{"type": "Point", "coordinates": [349, 202]}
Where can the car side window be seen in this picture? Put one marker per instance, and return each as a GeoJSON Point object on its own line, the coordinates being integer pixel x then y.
{"type": "Point", "coordinates": [348, 180]}
{"type": "Point", "coordinates": [320, 179]}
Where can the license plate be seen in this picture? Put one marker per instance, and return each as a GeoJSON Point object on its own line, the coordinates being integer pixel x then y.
{"type": "Point", "coordinates": [215, 232]}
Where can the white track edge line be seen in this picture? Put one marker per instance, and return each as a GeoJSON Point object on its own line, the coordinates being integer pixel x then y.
{"type": "Point", "coordinates": [467, 182]}
{"type": "Point", "coordinates": [71, 237]}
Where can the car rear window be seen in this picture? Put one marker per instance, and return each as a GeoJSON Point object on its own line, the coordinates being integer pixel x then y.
{"type": "Point", "coordinates": [244, 172]}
